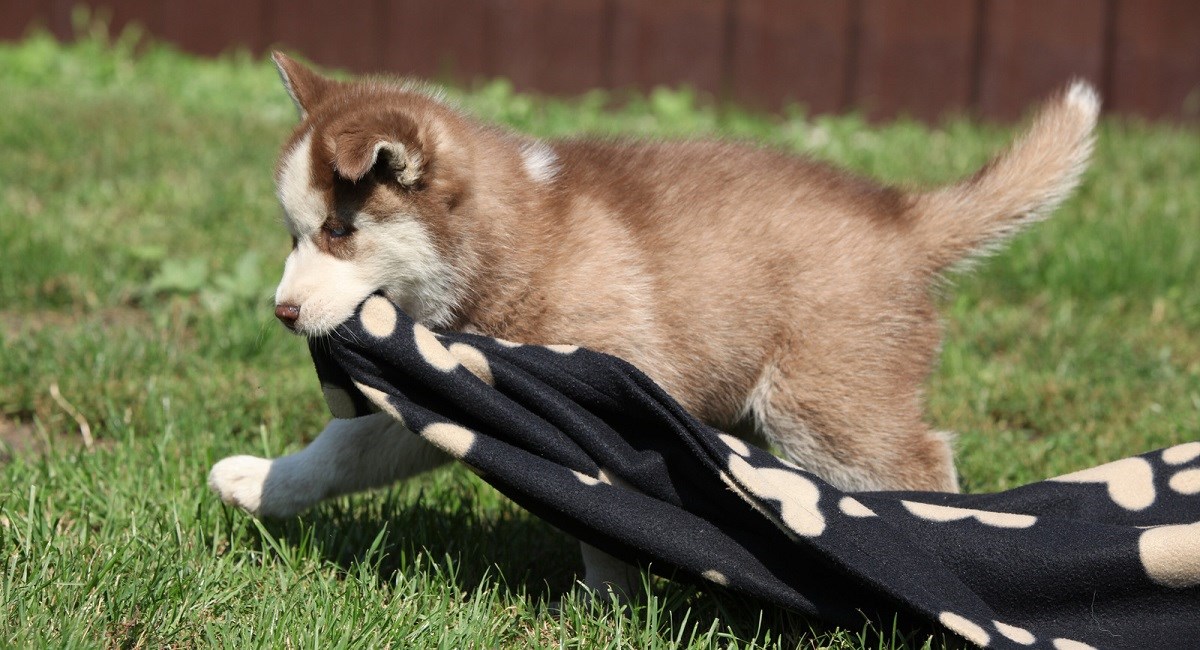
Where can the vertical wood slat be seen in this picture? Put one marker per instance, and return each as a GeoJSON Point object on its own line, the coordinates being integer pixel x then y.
{"type": "Point", "coordinates": [57, 18]}
{"type": "Point", "coordinates": [787, 51]}
{"type": "Point", "coordinates": [668, 42]}
{"type": "Point", "coordinates": [1156, 62]}
{"type": "Point", "coordinates": [915, 58]}
{"type": "Point", "coordinates": [435, 40]}
{"type": "Point", "coordinates": [214, 26]}
{"type": "Point", "coordinates": [16, 18]}
{"type": "Point", "coordinates": [1033, 47]}
{"type": "Point", "coordinates": [145, 14]}
{"type": "Point", "coordinates": [555, 46]}
{"type": "Point", "coordinates": [339, 35]}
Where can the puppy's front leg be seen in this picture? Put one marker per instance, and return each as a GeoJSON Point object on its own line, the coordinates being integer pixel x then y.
{"type": "Point", "coordinates": [348, 456]}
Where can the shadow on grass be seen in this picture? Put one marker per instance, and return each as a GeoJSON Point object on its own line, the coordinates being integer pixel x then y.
{"type": "Point", "coordinates": [400, 535]}
{"type": "Point", "coordinates": [511, 550]}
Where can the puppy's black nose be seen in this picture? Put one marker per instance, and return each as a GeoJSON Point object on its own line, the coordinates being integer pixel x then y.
{"type": "Point", "coordinates": [288, 315]}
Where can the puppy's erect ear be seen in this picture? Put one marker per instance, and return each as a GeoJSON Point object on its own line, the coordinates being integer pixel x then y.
{"type": "Point", "coordinates": [390, 142]}
{"type": "Point", "coordinates": [306, 87]}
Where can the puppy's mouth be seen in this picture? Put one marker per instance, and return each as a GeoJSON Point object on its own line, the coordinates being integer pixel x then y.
{"type": "Point", "coordinates": [299, 329]}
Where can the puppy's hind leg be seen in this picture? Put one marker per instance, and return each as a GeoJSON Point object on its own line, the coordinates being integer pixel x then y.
{"type": "Point", "coordinates": [348, 456]}
{"type": "Point", "coordinates": [604, 573]}
{"type": "Point", "coordinates": [856, 431]}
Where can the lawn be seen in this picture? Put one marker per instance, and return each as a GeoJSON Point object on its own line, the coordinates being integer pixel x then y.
{"type": "Point", "coordinates": [139, 243]}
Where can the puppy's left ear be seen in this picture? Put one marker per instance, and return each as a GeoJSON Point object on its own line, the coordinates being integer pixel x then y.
{"type": "Point", "coordinates": [304, 86]}
{"type": "Point", "coordinates": [356, 152]}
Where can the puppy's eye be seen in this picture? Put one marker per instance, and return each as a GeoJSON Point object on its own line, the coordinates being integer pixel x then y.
{"type": "Point", "coordinates": [338, 230]}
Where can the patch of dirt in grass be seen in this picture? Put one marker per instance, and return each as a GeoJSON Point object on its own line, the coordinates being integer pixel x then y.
{"type": "Point", "coordinates": [127, 633]}
{"type": "Point", "coordinates": [16, 322]}
{"type": "Point", "coordinates": [18, 439]}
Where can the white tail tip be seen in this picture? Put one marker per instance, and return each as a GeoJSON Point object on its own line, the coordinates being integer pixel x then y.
{"type": "Point", "coordinates": [1082, 96]}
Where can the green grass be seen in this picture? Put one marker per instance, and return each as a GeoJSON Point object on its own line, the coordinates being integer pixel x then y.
{"type": "Point", "coordinates": [139, 241]}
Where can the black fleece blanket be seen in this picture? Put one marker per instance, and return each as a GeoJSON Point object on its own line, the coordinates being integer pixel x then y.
{"type": "Point", "coordinates": [1108, 557]}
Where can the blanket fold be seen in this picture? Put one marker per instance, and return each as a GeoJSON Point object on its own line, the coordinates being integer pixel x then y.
{"type": "Point", "coordinates": [1108, 557]}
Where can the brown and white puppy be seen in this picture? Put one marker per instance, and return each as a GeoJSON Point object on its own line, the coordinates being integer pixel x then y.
{"type": "Point", "coordinates": [768, 293]}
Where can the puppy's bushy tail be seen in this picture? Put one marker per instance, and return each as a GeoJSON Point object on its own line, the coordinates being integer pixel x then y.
{"type": "Point", "coordinates": [1021, 185]}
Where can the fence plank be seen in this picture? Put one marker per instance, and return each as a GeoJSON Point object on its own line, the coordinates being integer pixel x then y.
{"type": "Point", "coordinates": [214, 26]}
{"type": "Point", "coordinates": [668, 42]}
{"type": "Point", "coordinates": [786, 51]}
{"type": "Point", "coordinates": [342, 35]}
{"type": "Point", "coordinates": [916, 57]}
{"type": "Point", "coordinates": [1156, 64]}
{"type": "Point", "coordinates": [436, 40]}
{"type": "Point", "coordinates": [55, 15]}
{"type": "Point", "coordinates": [1032, 47]}
{"type": "Point", "coordinates": [16, 18]}
{"type": "Point", "coordinates": [554, 46]}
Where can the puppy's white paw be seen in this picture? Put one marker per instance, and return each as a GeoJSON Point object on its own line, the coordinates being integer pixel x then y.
{"type": "Point", "coordinates": [239, 481]}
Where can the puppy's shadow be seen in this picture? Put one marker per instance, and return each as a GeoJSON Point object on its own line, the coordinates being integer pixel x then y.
{"type": "Point", "coordinates": [406, 529]}
{"type": "Point", "coordinates": [502, 546]}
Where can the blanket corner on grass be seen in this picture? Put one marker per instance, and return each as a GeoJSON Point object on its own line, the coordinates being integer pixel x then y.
{"type": "Point", "coordinates": [1107, 557]}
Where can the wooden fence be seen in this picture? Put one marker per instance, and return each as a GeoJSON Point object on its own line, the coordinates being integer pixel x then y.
{"type": "Point", "coordinates": [922, 58]}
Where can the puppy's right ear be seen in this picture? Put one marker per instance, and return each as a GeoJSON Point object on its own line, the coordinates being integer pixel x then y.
{"type": "Point", "coordinates": [306, 87]}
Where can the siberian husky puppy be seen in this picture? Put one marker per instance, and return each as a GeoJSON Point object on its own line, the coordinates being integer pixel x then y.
{"type": "Point", "coordinates": [768, 293]}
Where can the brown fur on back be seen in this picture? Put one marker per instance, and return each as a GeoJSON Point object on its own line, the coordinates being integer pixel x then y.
{"type": "Point", "coordinates": [663, 254]}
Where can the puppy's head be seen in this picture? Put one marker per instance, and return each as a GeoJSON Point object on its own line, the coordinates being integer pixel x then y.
{"type": "Point", "coordinates": [368, 194]}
